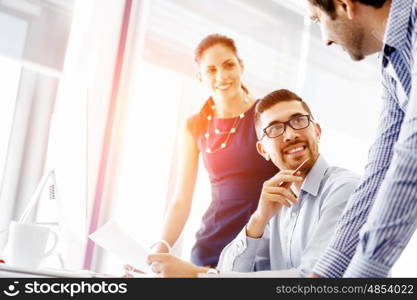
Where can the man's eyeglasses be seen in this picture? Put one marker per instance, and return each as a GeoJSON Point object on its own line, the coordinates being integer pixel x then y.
{"type": "Point", "coordinates": [297, 123]}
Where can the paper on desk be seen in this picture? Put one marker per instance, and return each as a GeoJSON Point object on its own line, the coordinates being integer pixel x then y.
{"type": "Point", "coordinates": [116, 240]}
{"type": "Point", "coordinates": [290, 273]}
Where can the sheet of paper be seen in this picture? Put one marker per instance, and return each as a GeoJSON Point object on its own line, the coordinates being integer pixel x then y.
{"type": "Point", "coordinates": [117, 241]}
{"type": "Point", "coordinates": [291, 273]}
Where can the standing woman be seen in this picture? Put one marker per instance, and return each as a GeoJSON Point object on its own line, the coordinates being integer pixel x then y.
{"type": "Point", "coordinates": [223, 133]}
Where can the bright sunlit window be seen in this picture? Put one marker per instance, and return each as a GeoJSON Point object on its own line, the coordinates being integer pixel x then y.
{"type": "Point", "coordinates": [9, 77]}
{"type": "Point", "coordinates": [147, 153]}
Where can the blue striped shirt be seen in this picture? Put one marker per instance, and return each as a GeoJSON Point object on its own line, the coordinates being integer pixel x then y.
{"type": "Point", "coordinates": [381, 215]}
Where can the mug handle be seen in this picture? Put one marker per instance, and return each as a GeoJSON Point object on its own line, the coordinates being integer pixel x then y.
{"type": "Point", "coordinates": [49, 252]}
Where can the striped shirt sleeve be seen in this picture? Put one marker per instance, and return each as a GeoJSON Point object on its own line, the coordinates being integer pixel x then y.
{"type": "Point", "coordinates": [393, 218]}
{"type": "Point", "coordinates": [341, 249]}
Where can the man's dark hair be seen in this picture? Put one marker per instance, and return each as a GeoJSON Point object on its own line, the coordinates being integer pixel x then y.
{"type": "Point", "coordinates": [328, 5]}
{"type": "Point", "coordinates": [270, 100]}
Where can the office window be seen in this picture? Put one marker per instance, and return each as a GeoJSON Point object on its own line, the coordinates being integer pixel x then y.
{"type": "Point", "coordinates": [78, 130]}
{"type": "Point", "coordinates": [33, 37]}
{"type": "Point", "coordinates": [9, 76]}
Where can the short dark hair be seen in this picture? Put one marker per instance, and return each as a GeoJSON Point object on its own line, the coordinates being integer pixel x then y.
{"type": "Point", "coordinates": [328, 5]}
{"type": "Point", "coordinates": [270, 100]}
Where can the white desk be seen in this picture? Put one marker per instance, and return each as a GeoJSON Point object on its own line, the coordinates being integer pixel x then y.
{"type": "Point", "coordinates": [9, 271]}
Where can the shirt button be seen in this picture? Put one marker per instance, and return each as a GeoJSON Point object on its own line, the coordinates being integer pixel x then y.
{"type": "Point", "coordinates": [293, 214]}
{"type": "Point", "coordinates": [385, 61]}
{"type": "Point", "coordinates": [388, 50]}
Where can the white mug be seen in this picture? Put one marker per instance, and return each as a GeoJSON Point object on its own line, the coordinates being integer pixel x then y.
{"type": "Point", "coordinates": [26, 245]}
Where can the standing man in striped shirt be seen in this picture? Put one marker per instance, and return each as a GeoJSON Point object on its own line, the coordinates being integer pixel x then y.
{"type": "Point", "coordinates": [381, 215]}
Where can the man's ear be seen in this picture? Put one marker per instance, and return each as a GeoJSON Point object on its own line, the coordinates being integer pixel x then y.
{"type": "Point", "coordinates": [347, 7]}
{"type": "Point", "coordinates": [261, 150]}
{"type": "Point", "coordinates": [317, 128]}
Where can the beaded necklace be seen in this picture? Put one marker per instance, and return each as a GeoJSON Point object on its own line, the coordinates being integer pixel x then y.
{"type": "Point", "coordinates": [217, 131]}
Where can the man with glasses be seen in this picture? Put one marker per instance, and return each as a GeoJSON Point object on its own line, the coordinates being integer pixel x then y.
{"type": "Point", "coordinates": [299, 206]}
{"type": "Point", "coordinates": [301, 203]}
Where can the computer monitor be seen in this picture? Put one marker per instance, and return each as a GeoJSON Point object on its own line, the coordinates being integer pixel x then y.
{"type": "Point", "coordinates": [63, 202]}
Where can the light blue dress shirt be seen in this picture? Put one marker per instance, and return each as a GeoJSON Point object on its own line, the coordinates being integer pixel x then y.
{"type": "Point", "coordinates": [386, 198]}
{"type": "Point", "coordinates": [296, 237]}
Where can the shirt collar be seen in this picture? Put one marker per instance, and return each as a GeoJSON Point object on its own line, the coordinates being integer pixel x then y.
{"type": "Point", "coordinates": [398, 20]}
{"type": "Point", "coordinates": [312, 182]}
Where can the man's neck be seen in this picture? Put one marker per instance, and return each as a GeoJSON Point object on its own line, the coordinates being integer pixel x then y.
{"type": "Point", "coordinates": [232, 107]}
{"type": "Point", "coordinates": [304, 174]}
{"type": "Point", "coordinates": [379, 20]}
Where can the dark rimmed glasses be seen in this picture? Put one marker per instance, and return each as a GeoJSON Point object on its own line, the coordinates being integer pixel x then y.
{"type": "Point", "coordinates": [277, 129]}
